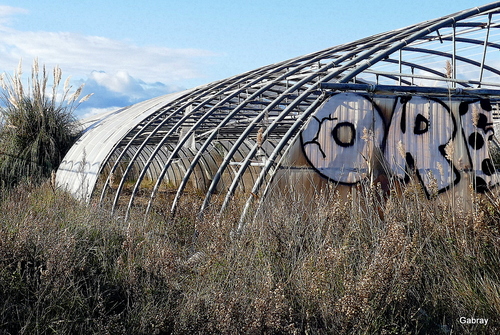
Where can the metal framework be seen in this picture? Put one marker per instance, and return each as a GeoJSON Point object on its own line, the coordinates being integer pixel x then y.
{"type": "Point", "coordinates": [235, 134]}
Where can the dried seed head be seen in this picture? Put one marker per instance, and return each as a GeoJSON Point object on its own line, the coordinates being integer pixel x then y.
{"type": "Point", "coordinates": [2, 81]}
{"type": "Point", "coordinates": [111, 179]}
{"type": "Point", "coordinates": [19, 71]}
{"type": "Point", "coordinates": [449, 149]}
{"type": "Point", "coordinates": [13, 101]}
{"type": "Point", "coordinates": [440, 169]}
{"type": "Point", "coordinates": [475, 115]}
{"type": "Point", "coordinates": [66, 84]}
{"type": "Point", "coordinates": [260, 137]}
{"type": "Point", "coordinates": [18, 87]}
{"type": "Point", "coordinates": [401, 149]}
{"type": "Point", "coordinates": [76, 94]}
{"type": "Point", "coordinates": [433, 183]}
{"type": "Point", "coordinates": [53, 178]}
{"type": "Point", "coordinates": [367, 134]}
{"type": "Point", "coordinates": [35, 67]}
{"type": "Point", "coordinates": [57, 76]}
{"type": "Point", "coordinates": [448, 69]}
{"type": "Point", "coordinates": [85, 98]}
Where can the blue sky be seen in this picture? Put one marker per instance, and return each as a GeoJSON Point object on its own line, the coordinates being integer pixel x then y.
{"type": "Point", "coordinates": [129, 51]}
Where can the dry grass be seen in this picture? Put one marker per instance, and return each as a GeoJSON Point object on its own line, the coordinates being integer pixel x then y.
{"type": "Point", "coordinates": [363, 265]}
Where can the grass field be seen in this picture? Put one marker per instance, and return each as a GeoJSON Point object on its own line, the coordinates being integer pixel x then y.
{"type": "Point", "coordinates": [362, 265]}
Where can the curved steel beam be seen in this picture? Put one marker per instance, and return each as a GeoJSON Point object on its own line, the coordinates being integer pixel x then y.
{"type": "Point", "coordinates": [296, 83]}
{"type": "Point", "coordinates": [213, 134]}
{"type": "Point", "coordinates": [447, 22]}
{"type": "Point", "coordinates": [183, 140]}
{"type": "Point", "coordinates": [364, 56]}
{"type": "Point", "coordinates": [447, 55]}
{"type": "Point", "coordinates": [269, 162]}
{"type": "Point", "coordinates": [374, 43]}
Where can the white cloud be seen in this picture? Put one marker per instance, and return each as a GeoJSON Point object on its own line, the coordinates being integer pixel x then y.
{"type": "Point", "coordinates": [116, 90]}
{"type": "Point", "coordinates": [88, 112]}
{"type": "Point", "coordinates": [7, 12]}
{"type": "Point", "coordinates": [120, 82]}
{"type": "Point", "coordinates": [123, 83]}
{"type": "Point", "coordinates": [80, 54]}
{"type": "Point", "coordinates": [119, 73]}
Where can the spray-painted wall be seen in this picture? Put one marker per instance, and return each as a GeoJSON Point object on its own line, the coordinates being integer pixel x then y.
{"type": "Point", "coordinates": [442, 143]}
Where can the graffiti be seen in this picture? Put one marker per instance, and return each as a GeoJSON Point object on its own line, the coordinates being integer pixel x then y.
{"type": "Point", "coordinates": [475, 119]}
{"type": "Point", "coordinates": [423, 131]}
{"type": "Point", "coordinates": [340, 118]}
{"type": "Point", "coordinates": [421, 136]}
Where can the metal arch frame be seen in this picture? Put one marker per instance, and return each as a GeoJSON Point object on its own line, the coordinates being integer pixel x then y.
{"type": "Point", "coordinates": [230, 115]}
{"type": "Point", "coordinates": [130, 165]}
{"type": "Point", "coordinates": [284, 140]}
{"type": "Point", "coordinates": [462, 59]}
{"type": "Point", "coordinates": [272, 173]}
{"type": "Point", "coordinates": [191, 96]}
{"type": "Point", "coordinates": [345, 79]}
{"type": "Point", "coordinates": [248, 143]}
{"type": "Point", "coordinates": [90, 147]}
{"type": "Point", "coordinates": [434, 27]}
{"type": "Point", "coordinates": [186, 101]}
{"type": "Point", "coordinates": [471, 41]}
{"type": "Point", "coordinates": [289, 91]}
{"type": "Point", "coordinates": [257, 185]}
{"type": "Point", "coordinates": [126, 148]}
{"type": "Point", "coordinates": [214, 131]}
{"type": "Point", "coordinates": [181, 141]}
{"type": "Point", "coordinates": [284, 65]}
{"type": "Point", "coordinates": [285, 112]}
{"type": "Point", "coordinates": [417, 66]}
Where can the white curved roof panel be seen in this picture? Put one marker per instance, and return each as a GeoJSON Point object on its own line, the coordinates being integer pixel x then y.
{"type": "Point", "coordinates": [79, 170]}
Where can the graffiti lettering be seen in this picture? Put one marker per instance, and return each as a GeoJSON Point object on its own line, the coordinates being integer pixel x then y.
{"type": "Point", "coordinates": [475, 119]}
{"type": "Point", "coordinates": [333, 143]}
{"type": "Point", "coordinates": [422, 138]}
{"type": "Point", "coordinates": [422, 150]}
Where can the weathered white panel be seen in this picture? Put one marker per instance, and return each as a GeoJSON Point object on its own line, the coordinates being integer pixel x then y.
{"type": "Point", "coordinates": [339, 139]}
{"type": "Point", "coordinates": [79, 170]}
{"type": "Point", "coordinates": [477, 124]}
{"type": "Point", "coordinates": [420, 131]}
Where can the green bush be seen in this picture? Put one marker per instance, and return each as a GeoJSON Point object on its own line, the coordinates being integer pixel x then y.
{"type": "Point", "coordinates": [37, 124]}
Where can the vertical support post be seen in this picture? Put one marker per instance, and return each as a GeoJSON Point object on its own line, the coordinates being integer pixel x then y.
{"type": "Point", "coordinates": [454, 56]}
{"type": "Point", "coordinates": [484, 51]}
{"type": "Point", "coordinates": [400, 65]}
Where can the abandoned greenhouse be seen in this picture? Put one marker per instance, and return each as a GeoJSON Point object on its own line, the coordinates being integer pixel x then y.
{"type": "Point", "coordinates": [422, 98]}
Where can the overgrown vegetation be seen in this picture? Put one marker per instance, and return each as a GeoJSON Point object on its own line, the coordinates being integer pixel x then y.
{"type": "Point", "coordinates": [37, 124]}
{"type": "Point", "coordinates": [363, 265]}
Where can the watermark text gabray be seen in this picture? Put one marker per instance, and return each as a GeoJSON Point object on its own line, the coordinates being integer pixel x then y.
{"type": "Point", "coordinates": [479, 321]}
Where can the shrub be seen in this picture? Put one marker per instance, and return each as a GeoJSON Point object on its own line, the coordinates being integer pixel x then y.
{"type": "Point", "coordinates": [37, 124]}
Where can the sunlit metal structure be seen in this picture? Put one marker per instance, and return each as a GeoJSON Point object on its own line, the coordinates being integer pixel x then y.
{"type": "Point", "coordinates": [264, 127]}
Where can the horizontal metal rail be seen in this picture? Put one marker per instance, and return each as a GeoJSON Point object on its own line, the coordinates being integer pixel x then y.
{"type": "Point", "coordinates": [409, 89]}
